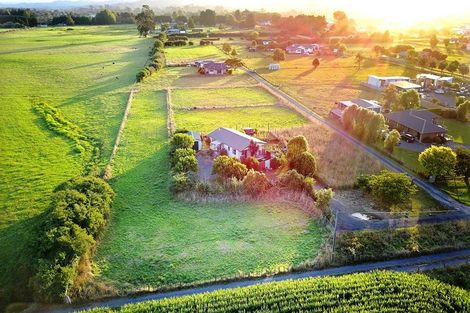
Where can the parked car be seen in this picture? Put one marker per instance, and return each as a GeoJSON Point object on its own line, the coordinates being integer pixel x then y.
{"type": "Point", "coordinates": [408, 138]}
{"type": "Point", "coordinates": [439, 91]}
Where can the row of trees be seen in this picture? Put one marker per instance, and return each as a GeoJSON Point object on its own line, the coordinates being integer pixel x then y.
{"type": "Point", "coordinates": [157, 58]}
{"type": "Point", "coordinates": [104, 17]}
{"type": "Point", "coordinates": [79, 212]}
{"type": "Point", "coordinates": [363, 123]}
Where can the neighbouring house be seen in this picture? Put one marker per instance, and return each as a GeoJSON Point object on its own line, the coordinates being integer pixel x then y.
{"type": "Point", "coordinates": [422, 124]}
{"type": "Point", "coordinates": [302, 48]}
{"type": "Point", "coordinates": [382, 82]}
{"type": "Point", "coordinates": [239, 145]}
{"type": "Point", "coordinates": [405, 86]}
{"type": "Point", "coordinates": [429, 81]}
{"type": "Point", "coordinates": [337, 112]}
{"type": "Point", "coordinates": [265, 23]}
{"type": "Point", "coordinates": [197, 140]}
{"type": "Point", "coordinates": [211, 67]}
{"type": "Point", "coordinates": [274, 67]}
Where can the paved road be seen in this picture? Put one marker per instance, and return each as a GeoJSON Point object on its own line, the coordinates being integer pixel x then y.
{"type": "Point", "coordinates": [437, 194]}
{"type": "Point", "coordinates": [415, 264]}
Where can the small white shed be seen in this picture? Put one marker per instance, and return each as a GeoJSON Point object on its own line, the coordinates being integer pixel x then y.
{"type": "Point", "coordinates": [274, 66]}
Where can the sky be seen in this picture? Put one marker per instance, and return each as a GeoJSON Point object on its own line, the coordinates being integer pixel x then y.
{"type": "Point", "coordinates": [385, 13]}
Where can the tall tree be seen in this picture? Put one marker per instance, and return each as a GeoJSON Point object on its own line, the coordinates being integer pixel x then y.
{"type": "Point", "coordinates": [438, 161]}
{"type": "Point", "coordinates": [145, 21]}
{"type": "Point", "coordinates": [392, 189]}
{"type": "Point", "coordinates": [105, 17]}
{"type": "Point", "coordinates": [407, 100]}
{"type": "Point", "coordinates": [463, 69]}
{"type": "Point", "coordinates": [191, 23]}
{"type": "Point", "coordinates": [390, 97]}
{"type": "Point", "coordinates": [315, 63]}
{"type": "Point", "coordinates": [279, 55]}
{"type": "Point", "coordinates": [207, 17]}
{"type": "Point", "coordinates": [463, 164]}
{"type": "Point", "coordinates": [453, 66]}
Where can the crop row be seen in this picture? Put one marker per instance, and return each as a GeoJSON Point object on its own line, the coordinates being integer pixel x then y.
{"type": "Point", "coordinates": [365, 292]}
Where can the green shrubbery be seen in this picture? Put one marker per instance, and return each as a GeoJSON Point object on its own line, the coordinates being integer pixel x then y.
{"type": "Point", "coordinates": [157, 59]}
{"type": "Point", "coordinates": [183, 162]}
{"type": "Point", "coordinates": [393, 190]}
{"type": "Point", "coordinates": [226, 168]}
{"type": "Point", "coordinates": [373, 245]}
{"type": "Point", "coordinates": [79, 212]}
{"type": "Point", "coordinates": [364, 292]}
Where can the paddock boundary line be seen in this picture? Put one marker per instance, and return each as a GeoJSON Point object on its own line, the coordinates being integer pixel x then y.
{"type": "Point", "coordinates": [108, 173]}
{"type": "Point", "coordinates": [170, 120]}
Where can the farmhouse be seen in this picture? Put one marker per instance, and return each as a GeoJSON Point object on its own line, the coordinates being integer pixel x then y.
{"type": "Point", "coordinates": [432, 81]}
{"type": "Point", "coordinates": [211, 67]}
{"type": "Point", "coordinates": [382, 82]}
{"type": "Point", "coordinates": [239, 145]}
{"type": "Point", "coordinates": [302, 49]}
{"type": "Point", "coordinates": [420, 123]}
{"type": "Point", "coordinates": [337, 112]}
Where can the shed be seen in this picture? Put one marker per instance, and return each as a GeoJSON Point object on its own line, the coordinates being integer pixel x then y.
{"type": "Point", "coordinates": [274, 67]}
{"type": "Point", "coordinates": [197, 140]}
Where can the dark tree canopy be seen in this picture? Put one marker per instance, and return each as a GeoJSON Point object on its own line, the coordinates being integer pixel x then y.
{"type": "Point", "coordinates": [145, 21]}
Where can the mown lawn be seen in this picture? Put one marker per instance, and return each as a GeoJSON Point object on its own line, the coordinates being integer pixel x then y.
{"type": "Point", "coordinates": [261, 118]}
{"type": "Point", "coordinates": [221, 97]}
{"type": "Point", "coordinates": [193, 53]}
{"type": "Point", "coordinates": [155, 241]}
{"type": "Point", "coordinates": [460, 131]}
{"type": "Point", "coordinates": [86, 73]}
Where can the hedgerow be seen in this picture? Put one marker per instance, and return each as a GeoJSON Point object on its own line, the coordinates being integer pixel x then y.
{"type": "Point", "coordinates": [157, 59]}
{"type": "Point", "coordinates": [84, 144]}
{"type": "Point", "coordinates": [183, 162]}
{"type": "Point", "coordinates": [78, 213]}
{"type": "Point", "coordinates": [374, 245]}
{"type": "Point", "coordinates": [366, 292]}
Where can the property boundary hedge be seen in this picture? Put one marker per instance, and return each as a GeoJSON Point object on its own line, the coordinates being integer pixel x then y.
{"type": "Point", "coordinates": [157, 62]}
{"type": "Point", "coordinates": [376, 245]}
{"type": "Point", "coordinates": [77, 216]}
{"type": "Point", "coordinates": [366, 292]}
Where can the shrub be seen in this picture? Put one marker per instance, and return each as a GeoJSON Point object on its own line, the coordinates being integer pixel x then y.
{"type": "Point", "coordinates": [393, 138]}
{"type": "Point", "coordinates": [181, 153]}
{"type": "Point", "coordinates": [305, 164]}
{"type": "Point", "coordinates": [181, 182]}
{"type": "Point", "coordinates": [180, 141]}
{"type": "Point", "coordinates": [186, 164]}
{"type": "Point", "coordinates": [392, 189]}
{"type": "Point", "coordinates": [296, 146]}
{"type": "Point", "coordinates": [294, 181]}
{"type": "Point", "coordinates": [79, 211]}
{"type": "Point", "coordinates": [226, 168]}
{"type": "Point", "coordinates": [362, 182]}
{"type": "Point", "coordinates": [255, 183]}
{"type": "Point", "coordinates": [251, 163]}
{"type": "Point", "coordinates": [447, 113]}
{"type": "Point", "coordinates": [278, 162]}
{"type": "Point", "coordinates": [323, 197]}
